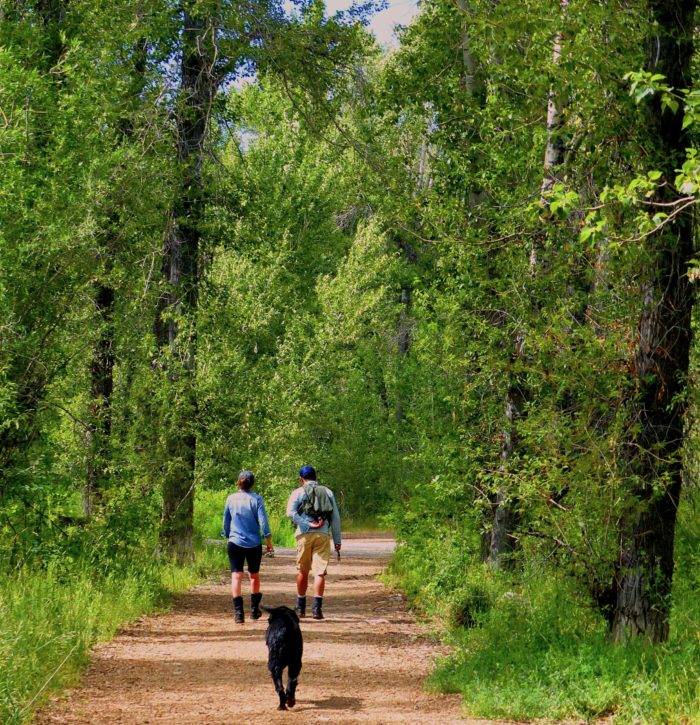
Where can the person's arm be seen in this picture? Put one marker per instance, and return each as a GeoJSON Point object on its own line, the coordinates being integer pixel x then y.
{"type": "Point", "coordinates": [335, 524]}
{"type": "Point", "coordinates": [227, 520]}
{"type": "Point", "coordinates": [299, 519]}
{"type": "Point", "coordinates": [264, 524]}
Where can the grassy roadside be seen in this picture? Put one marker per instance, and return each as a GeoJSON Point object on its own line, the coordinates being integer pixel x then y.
{"type": "Point", "coordinates": [50, 619]}
{"type": "Point", "coordinates": [529, 647]}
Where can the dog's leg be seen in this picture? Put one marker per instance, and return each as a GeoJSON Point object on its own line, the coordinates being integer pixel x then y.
{"type": "Point", "coordinates": [279, 686]}
{"type": "Point", "coordinates": [294, 670]}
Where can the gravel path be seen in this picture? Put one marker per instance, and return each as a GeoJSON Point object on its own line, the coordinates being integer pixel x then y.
{"type": "Point", "coordinates": [366, 662]}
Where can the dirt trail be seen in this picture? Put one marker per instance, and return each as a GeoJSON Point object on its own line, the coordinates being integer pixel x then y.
{"type": "Point", "coordinates": [365, 662]}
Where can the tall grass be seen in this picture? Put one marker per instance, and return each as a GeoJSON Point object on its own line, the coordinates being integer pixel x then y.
{"type": "Point", "coordinates": [49, 619]}
{"type": "Point", "coordinates": [529, 646]}
{"type": "Point", "coordinates": [532, 655]}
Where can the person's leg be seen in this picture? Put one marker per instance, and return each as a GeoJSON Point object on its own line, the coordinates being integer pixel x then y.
{"type": "Point", "coordinates": [254, 557]}
{"type": "Point", "coordinates": [304, 554]}
{"type": "Point", "coordinates": [255, 596]}
{"type": "Point", "coordinates": [236, 583]}
{"type": "Point", "coordinates": [236, 559]}
{"type": "Point", "coordinates": [253, 560]}
{"type": "Point", "coordinates": [319, 585]}
{"type": "Point", "coordinates": [321, 557]}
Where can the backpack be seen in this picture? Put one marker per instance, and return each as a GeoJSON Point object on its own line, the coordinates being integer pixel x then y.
{"type": "Point", "coordinates": [317, 503]}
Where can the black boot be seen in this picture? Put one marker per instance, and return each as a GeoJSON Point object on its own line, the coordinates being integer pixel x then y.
{"type": "Point", "coordinates": [300, 608]}
{"type": "Point", "coordinates": [317, 608]}
{"type": "Point", "coordinates": [238, 616]}
{"type": "Point", "coordinates": [255, 612]}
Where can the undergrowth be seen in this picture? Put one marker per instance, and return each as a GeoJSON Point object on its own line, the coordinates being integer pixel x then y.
{"type": "Point", "coordinates": [50, 618]}
{"type": "Point", "coordinates": [530, 646]}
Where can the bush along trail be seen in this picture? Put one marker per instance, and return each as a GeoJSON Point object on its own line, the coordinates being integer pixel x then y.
{"type": "Point", "coordinates": [366, 662]}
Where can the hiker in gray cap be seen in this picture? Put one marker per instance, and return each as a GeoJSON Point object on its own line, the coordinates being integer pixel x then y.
{"type": "Point", "coordinates": [244, 520]}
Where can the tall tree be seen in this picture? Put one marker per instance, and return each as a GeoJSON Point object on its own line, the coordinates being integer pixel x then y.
{"type": "Point", "coordinates": [659, 365]}
{"type": "Point", "coordinates": [176, 322]}
{"type": "Point", "coordinates": [216, 41]}
{"type": "Point", "coordinates": [504, 514]}
{"type": "Point", "coordinates": [99, 425]}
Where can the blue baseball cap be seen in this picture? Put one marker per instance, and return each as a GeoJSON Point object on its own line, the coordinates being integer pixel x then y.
{"type": "Point", "coordinates": [308, 473]}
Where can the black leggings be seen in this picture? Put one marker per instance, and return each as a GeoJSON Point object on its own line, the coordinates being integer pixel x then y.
{"type": "Point", "coordinates": [238, 555]}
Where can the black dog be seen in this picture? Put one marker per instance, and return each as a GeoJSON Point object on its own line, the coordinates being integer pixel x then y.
{"type": "Point", "coordinates": [285, 645]}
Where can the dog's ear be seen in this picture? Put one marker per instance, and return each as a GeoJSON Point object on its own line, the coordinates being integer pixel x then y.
{"type": "Point", "coordinates": [267, 609]}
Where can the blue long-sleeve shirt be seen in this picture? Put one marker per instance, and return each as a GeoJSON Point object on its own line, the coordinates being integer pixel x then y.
{"type": "Point", "coordinates": [302, 520]}
{"type": "Point", "coordinates": [244, 518]}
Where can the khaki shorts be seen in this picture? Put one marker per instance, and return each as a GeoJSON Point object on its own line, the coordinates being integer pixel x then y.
{"type": "Point", "coordinates": [313, 553]}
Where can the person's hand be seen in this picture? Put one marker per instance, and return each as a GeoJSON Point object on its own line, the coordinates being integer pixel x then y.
{"type": "Point", "coordinates": [337, 547]}
{"type": "Point", "coordinates": [269, 548]}
{"type": "Point", "coordinates": [316, 524]}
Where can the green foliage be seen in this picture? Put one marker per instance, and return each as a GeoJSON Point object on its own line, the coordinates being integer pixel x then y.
{"type": "Point", "coordinates": [528, 646]}
{"type": "Point", "coordinates": [376, 240]}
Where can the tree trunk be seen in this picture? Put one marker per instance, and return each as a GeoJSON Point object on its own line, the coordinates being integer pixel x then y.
{"type": "Point", "coordinates": [176, 324]}
{"type": "Point", "coordinates": [504, 511]}
{"type": "Point", "coordinates": [101, 386]}
{"type": "Point", "coordinates": [404, 343]}
{"type": "Point", "coordinates": [103, 357]}
{"type": "Point", "coordinates": [410, 255]}
{"type": "Point", "coordinates": [660, 362]}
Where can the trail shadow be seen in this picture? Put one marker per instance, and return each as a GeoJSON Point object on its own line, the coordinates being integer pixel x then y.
{"type": "Point", "coordinates": [145, 680]}
{"type": "Point", "coordinates": [335, 702]}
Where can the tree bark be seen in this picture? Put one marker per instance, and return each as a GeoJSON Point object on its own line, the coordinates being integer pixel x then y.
{"type": "Point", "coordinates": [99, 429]}
{"type": "Point", "coordinates": [410, 254]}
{"type": "Point", "coordinates": [101, 386]}
{"type": "Point", "coordinates": [660, 361]}
{"type": "Point", "coordinates": [504, 510]}
{"type": "Point", "coordinates": [176, 323]}
{"type": "Point", "coordinates": [404, 341]}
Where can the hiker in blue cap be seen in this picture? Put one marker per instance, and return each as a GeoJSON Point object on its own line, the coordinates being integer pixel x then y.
{"type": "Point", "coordinates": [313, 510]}
{"type": "Point", "coordinates": [244, 519]}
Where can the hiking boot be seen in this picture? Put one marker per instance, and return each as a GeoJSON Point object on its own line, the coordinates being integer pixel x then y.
{"type": "Point", "coordinates": [255, 612]}
{"type": "Point", "coordinates": [300, 608]}
{"type": "Point", "coordinates": [238, 616]}
{"type": "Point", "coordinates": [316, 608]}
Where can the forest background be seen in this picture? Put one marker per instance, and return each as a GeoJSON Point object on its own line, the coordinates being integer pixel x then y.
{"type": "Point", "coordinates": [457, 277]}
